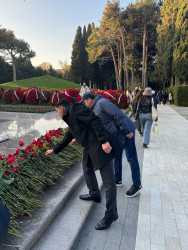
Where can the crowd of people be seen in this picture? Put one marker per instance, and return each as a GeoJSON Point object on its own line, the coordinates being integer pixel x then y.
{"type": "Point", "coordinates": [105, 132]}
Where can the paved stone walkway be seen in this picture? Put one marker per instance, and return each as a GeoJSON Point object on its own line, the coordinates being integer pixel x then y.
{"type": "Point", "coordinates": [158, 219]}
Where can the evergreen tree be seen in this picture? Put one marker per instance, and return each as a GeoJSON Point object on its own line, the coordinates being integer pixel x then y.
{"type": "Point", "coordinates": [180, 52]}
{"type": "Point", "coordinates": [78, 59]}
{"type": "Point", "coordinates": [165, 42]}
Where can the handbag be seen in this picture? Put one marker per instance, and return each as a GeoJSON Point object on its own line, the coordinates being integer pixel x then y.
{"type": "Point", "coordinates": [154, 112]}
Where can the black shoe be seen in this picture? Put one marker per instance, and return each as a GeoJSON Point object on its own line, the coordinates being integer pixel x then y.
{"type": "Point", "coordinates": [119, 183]}
{"type": "Point", "coordinates": [145, 145]}
{"type": "Point", "coordinates": [89, 197]}
{"type": "Point", "coordinates": [103, 224]}
{"type": "Point", "coordinates": [140, 134]}
{"type": "Point", "coordinates": [133, 191]}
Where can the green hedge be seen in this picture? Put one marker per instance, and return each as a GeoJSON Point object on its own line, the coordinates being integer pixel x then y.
{"type": "Point", "coordinates": [180, 95]}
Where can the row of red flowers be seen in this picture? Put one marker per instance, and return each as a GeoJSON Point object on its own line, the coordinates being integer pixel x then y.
{"type": "Point", "coordinates": [34, 96]}
{"type": "Point", "coordinates": [24, 174]}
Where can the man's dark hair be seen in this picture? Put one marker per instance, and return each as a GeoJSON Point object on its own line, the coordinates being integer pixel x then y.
{"type": "Point", "coordinates": [63, 102]}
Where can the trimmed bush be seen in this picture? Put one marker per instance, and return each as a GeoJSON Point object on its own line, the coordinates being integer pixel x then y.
{"type": "Point", "coordinates": [180, 95]}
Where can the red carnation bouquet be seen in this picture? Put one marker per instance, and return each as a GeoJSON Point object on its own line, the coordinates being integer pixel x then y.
{"type": "Point", "coordinates": [17, 96]}
{"type": "Point", "coordinates": [55, 97]}
{"type": "Point", "coordinates": [111, 95]}
{"type": "Point", "coordinates": [122, 101]}
{"type": "Point", "coordinates": [32, 96]}
{"type": "Point", "coordinates": [71, 94]}
{"type": "Point", "coordinates": [7, 98]}
{"type": "Point", "coordinates": [45, 96]}
{"type": "Point", "coordinates": [78, 98]}
{"type": "Point", "coordinates": [1, 92]}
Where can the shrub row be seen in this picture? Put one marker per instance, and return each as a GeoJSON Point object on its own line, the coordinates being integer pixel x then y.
{"type": "Point", "coordinates": [180, 95]}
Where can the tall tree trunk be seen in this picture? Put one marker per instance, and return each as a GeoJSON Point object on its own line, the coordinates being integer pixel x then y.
{"type": "Point", "coordinates": [120, 67]}
{"type": "Point", "coordinates": [124, 55]}
{"type": "Point", "coordinates": [115, 67]}
{"type": "Point", "coordinates": [132, 77]}
{"type": "Point", "coordinates": [124, 80]}
{"type": "Point", "coordinates": [171, 80]}
{"type": "Point", "coordinates": [90, 84]}
{"type": "Point", "coordinates": [146, 65]}
{"type": "Point", "coordinates": [144, 55]}
{"type": "Point", "coordinates": [14, 69]}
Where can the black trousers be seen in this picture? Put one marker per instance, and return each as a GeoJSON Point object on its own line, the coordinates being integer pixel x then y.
{"type": "Point", "coordinates": [107, 175]}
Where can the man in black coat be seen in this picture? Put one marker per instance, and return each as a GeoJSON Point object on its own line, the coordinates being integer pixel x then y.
{"type": "Point", "coordinates": [100, 147]}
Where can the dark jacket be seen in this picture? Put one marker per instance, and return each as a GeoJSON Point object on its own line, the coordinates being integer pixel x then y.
{"type": "Point", "coordinates": [4, 222]}
{"type": "Point", "coordinates": [113, 119]}
{"type": "Point", "coordinates": [89, 131]}
{"type": "Point", "coordinates": [144, 105]}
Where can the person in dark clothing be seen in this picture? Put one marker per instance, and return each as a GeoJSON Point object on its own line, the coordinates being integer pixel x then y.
{"type": "Point", "coordinates": [134, 107]}
{"type": "Point", "coordinates": [4, 222]}
{"type": "Point", "coordinates": [118, 124]}
{"type": "Point", "coordinates": [164, 97]}
{"type": "Point", "coordinates": [144, 113]}
{"type": "Point", "coordinates": [159, 95]}
{"type": "Point", "coordinates": [100, 148]}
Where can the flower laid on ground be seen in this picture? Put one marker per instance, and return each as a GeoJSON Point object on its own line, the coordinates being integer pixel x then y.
{"type": "Point", "coordinates": [25, 174]}
{"type": "Point", "coordinates": [21, 143]}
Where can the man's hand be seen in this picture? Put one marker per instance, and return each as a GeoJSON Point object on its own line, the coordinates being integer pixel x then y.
{"type": "Point", "coordinates": [73, 141]}
{"type": "Point", "coordinates": [130, 135]}
{"type": "Point", "coordinates": [49, 152]}
{"type": "Point", "coordinates": [106, 147]}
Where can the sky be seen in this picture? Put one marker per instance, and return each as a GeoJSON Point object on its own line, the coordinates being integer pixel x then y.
{"type": "Point", "coordinates": [49, 26]}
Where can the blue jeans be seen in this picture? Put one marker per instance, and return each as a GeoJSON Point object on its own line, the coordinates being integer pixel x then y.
{"type": "Point", "coordinates": [146, 123]}
{"type": "Point", "coordinates": [131, 154]}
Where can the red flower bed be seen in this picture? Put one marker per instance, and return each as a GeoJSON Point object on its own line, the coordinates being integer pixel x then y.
{"type": "Point", "coordinates": [7, 98]}
{"type": "Point", "coordinates": [32, 96]}
{"type": "Point", "coordinates": [17, 96]}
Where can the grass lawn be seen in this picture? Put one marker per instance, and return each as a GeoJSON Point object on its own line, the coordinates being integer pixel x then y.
{"type": "Point", "coordinates": [42, 82]}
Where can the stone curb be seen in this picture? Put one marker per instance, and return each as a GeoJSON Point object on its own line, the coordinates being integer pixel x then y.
{"type": "Point", "coordinates": [54, 199]}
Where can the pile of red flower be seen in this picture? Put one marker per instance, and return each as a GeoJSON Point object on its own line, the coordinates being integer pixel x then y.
{"type": "Point", "coordinates": [28, 171]}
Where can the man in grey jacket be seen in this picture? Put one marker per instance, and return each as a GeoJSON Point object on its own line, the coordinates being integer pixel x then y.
{"type": "Point", "coordinates": [118, 124]}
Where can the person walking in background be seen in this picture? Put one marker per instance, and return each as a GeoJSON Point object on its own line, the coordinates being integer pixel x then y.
{"type": "Point", "coordinates": [159, 95]}
{"type": "Point", "coordinates": [119, 125]}
{"type": "Point", "coordinates": [170, 97]}
{"type": "Point", "coordinates": [134, 107]}
{"type": "Point", "coordinates": [84, 89]}
{"type": "Point", "coordinates": [164, 97]}
{"type": "Point", "coordinates": [100, 148]}
{"type": "Point", "coordinates": [144, 113]}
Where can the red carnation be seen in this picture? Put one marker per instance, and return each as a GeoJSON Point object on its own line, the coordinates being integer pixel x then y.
{"type": "Point", "coordinates": [14, 169]}
{"type": "Point", "coordinates": [21, 143]}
